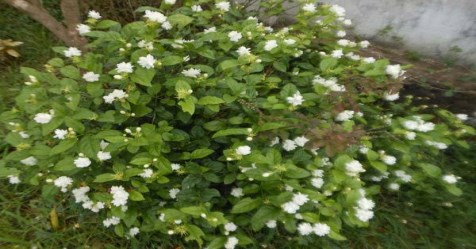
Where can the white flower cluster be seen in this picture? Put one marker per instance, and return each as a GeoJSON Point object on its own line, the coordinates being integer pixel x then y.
{"type": "Point", "coordinates": [243, 150]}
{"type": "Point", "coordinates": [157, 17]}
{"type": "Point", "coordinates": [80, 196]}
{"type": "Point", "coordinates": [450, 179]}
{"type": "Point", "coordinates": [317, 181]}
{"type": "Point", "coordinates": [91, 77]}
{"type": "Point", "coordinates": [83, 29]}
{"type": "Point", "coordinates": [403, 175]}
{"type": "Point", "coordinates": [345, 115]}
{"type": "Point", "coordinates": [290, 145]}
{"type": "Point", "coordinates": [223, 6]}
{"type": "Point", "coordinates": [319, 229]}
{"type": "Point", "coordinates": [296, 99]}
{"type": "Point", "coordinates": [173, 193]}
{"type": "Point", "coordinates": [116, 94]}
{"type": "Point", "coordinates": [147, 61]}
{"type": "Point", "coordinates": [72, 52]}
{"type": "Point", "coordinates": [119, 196]}
{"type": "Point", "coordinates": [231, 242]}
{"type": "Point", "coordinates": [29, 161]}
{"type": "Point", "coordinates": [328, 83]}
{"type": "Point", "coordinates": [63, 182]}
{"type": "Point", "coordinates": [44, 118]}
{"type": "Point", "coordinates": [82, 161]}
{"type": "Point", "coordinates": [438, 145]}
{"type": "Point", "coordinates": [111, 221]}
{"type": "Point", "coordinates": [353, 168]}
{"type": "Point", "coordinates": [363, 210]}
{"type": "Point", "coordinates": [191, 72]}
{"type": "Point", "coordinates": [237, 192]}
{"type": "Point", "coordinates": [395, 71]}
{"type": "Point", "coordinates": [293, 206]}
{"type": "Point", "coordinates": [418, 124]}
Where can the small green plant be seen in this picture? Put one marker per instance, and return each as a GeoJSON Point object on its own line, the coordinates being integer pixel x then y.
{"type": "Point", "coordinates": [201, 124]}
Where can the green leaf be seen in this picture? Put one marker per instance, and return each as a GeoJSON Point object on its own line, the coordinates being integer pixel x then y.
{"type": "Point", "coordinates": [297, 173]}
{"type": "Point", "coordinates": [245, 205]}
{"type": "Point", "coordinates": [136, 195]}
{"type": "Point", "coordinates": [227, 64]}
{"type": "Point", "coordinates": [210, 100]}
{"type": "Point", "coordinates": [454, 190]}
{"type": "Point", "coordinates": [328, 63]}
{"type": "Point", "coordinates": [270, 126]}
{"type": "Point", "coordinates": [63, 146]}
{"type": "Point", "coordinates": [187, 105]}
{"type": "Point", "coordinates": [430, 169]}
{"type": "Point", "coordinates": [180, 20]}
{"type": "Point", "coordinates": [105, 24]}
{"type": "Point", "coordinates": [195, 211]}
{"type": "Point", "coordinates": [195, 233]}
{"type": "Point", "coordinates": [263, 215]}
{"type": "Point", "coordinates": [280, 66]}
{"type": "Point", "coordinates": [107, 177]}
{"type": "Point", "coordinates": [232, 131]}
{"type": "Point", "coordinates": [217, 243]}
{"type": "Point", "coordinates": [379, 166]}
{"type": "Point", "coordinates": [143, 76]}
{"type": "Point", "coordinates": [171, 60]}
{"type": "Point", "coordinates": [70, 72]}
{"type": "Point", "coordinates": [201, 153]}
{"type": "Point", "coordinates": [336, 236]}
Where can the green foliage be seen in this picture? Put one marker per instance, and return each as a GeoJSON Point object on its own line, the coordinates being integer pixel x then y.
{"type": "Point", "coordinates": [180, 133]}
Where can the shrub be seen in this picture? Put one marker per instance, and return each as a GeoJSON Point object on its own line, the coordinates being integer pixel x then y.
{"type": "Point", "coordinates": [202, 123]}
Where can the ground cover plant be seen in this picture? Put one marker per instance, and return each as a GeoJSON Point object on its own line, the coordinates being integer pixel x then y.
{"type": "Point", "coordinates": [203, 125]}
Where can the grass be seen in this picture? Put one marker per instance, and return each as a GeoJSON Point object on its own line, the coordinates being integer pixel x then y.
{"type": "Point", "coordinates": [407, 219]}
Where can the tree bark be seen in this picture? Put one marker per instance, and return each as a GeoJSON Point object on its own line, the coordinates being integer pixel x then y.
{"type": "Point", "coordinates": [66, 33]}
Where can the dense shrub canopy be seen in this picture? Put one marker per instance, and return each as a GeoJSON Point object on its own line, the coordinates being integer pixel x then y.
{"type": "Point", "coordinates": [203, 123]}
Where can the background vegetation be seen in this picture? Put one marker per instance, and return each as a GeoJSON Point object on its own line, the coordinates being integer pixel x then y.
{"type": "Point", "coordinates": [404, 219]}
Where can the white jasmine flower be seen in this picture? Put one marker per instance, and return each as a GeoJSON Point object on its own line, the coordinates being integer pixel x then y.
{"type": "Point", "coordinates": [321, 229]}
{"type": "Point", "coordinates": [91, 77]}
{"type": "Point", "coordinates": [115, 95]}
{"type": "Point", "coordinates": [173, 193]}
{"type": "Point", "coordinates": [338, 53]}
{"type": "Point", "coordinates": [94, 15]}
{"type": "Point", "coordinates": [365, 204]}
{"type": "Point", "coordinates": [364, 215]}
{"type": "Point", "coordinates": [451, 179]}
{"type": "Point", "coordinates": [82, 162]}
{"type": "Point", "coordinates": [389, 160]}
{"type": "Point", "coordinates": [230, 227]}
{"type": "Point", "coordinates": [29, 161]}
{"type": "Point", "coordinates": [155, 16]}
{"type": "Point", "coordinates": [345, 115]}
{"type": "Point", "coordinates": [271, 224]}
{"type": "Point", "coordinates": [301, 141]}
{"type": "Point", "coordinates": [318, 172]}
{"type": "Point", "coordinates": [223, 6]}
{"type": "Point", "coordinates": [274, 141]}
{"type": "Point", "coordinates": [234, 36]}
{"type": "Point", "coordinates": [63, 182]}
{"type": "Point", "coordinates": [296, 99]}
{"type": "Point", "coordinates": [347, 22]}
{"type": "Point", "coordinates": [462, 117]}
{"type": "Point", "coordinates": [72, 51]}
{"type": "Point", "coordinates": [341, 33]}
{"type": "Point", "coordinates": [124, 67]}
{"type": "Point", "coordinates": [147, 173]}
{"type": "Point", "coordinates": [80, 194]}
{"type": "Point", "coordinates": [111, 221]}
{"type": "Point", "coordinates": [317, 182]}
{"type": "Point", "coordinates": [410, 135]}
{"type": "Point", "coordinates": [231, 242]}
{"type": "Point", "coordinates": [175, 166]}
{"type": "Point", "coordinates": [170, 2]}
{"type": "Point", "coordinates": [83, 29]}
{"type": "Point", "coordinates": [343, 42]}
{"type": "Point", "coordinates": [364, 44]}
{"type": "Point", "coordinates": [426, 126]}
{"type": "Point", "coordinates": [403, 176]}
{"type": "Point", "coordinates": [438, 145]}
{"type": "Point", "coordinates": [23, 134]}
{"type": "Point", "coordinates": [305, 229]}
{"type": "Point", "coordinates": [337, 10]}
{"type": "Point", "coordinates": [43, 118]}
{"type": "Point", "coordinates": [368, 60]}
{"type": "Point", "coordinates": [104, 155]}
{"type": "Point", "coordinates": [147, 61]}
{"type": "Point", "coordinates": [354, 168]}
{"type": "Point", "coordinates": [210, 30]}
{"type": "Point", "coordinates": [270, 45]}
{"type": "Point", "coordinates": [60, 134]}
{"type": "Point", "coordinates": [103, 144]}
{"type": "Point", "coordinates": [146, 45]}
{"type": "Point", "coordinates": [363, 149]}
{"type": "Point", "coordinates": [191, 72]}
{"type": "Point", "coordinates": [289, 145]}
{"type": "Point", "coordinates": [243, 51]}
{"type": "Point", "coordinates": [394, 70]}
{"type": "Point", "coordinates": [394, 186]}
{"type": "Point", "coordinates": [134, 230]}
{"type": "Point", "coordinates": [391, 97]}
{"type": "Point", "coordinates": [237, 192]}
{"type": "Point", "coordinates": [166, 25]}
{"type": "Point", "coordinates": [197, 8]}
{"type": "Point", "coordinates": [119, 196]}
{"type": "Point", "coordinates": [12, 179]}
{"type": "Point", "coordinates": [243, 150]}
{"type": "Point", "coordinates": [309, 7]}
{"type": "Point", "coordinates": [290, 207]}
{"type": "Point", "coordinates": [290, 42]}
{"type": "Point", "coordinates": [300, 199]}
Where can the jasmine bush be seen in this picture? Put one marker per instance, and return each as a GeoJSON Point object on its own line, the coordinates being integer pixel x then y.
{"type": "Point", "coordinates": [201, 122]}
